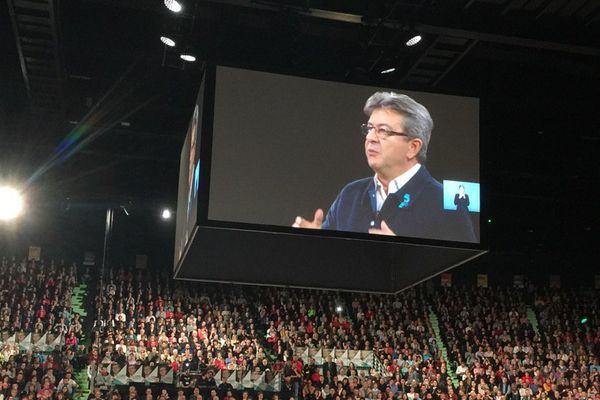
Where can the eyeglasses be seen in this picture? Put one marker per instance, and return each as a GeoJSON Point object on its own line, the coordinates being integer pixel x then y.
{"type": "Point", "coordinates": [380, 131]}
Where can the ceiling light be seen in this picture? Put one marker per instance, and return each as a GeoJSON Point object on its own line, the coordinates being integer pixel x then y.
{"type": "Point", "coordinates": [413, 40]}
{"type": "Point", "coordinates": [173, 5]}
{"type": "Point", "coordinates": [168, 41]}
{"type": "Point", "coordinates": [388, 71]}
{"type": "Point", "coordinates": [166, 214]}
{"type": "Point", "coordinates": [188, 57]}
{"type": "Point", "coordinates": [11, 203]}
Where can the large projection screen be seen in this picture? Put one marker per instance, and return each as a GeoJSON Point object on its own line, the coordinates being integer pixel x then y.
{"type": "Point", "coordinates": [189, 181]}
{"type": "Point", "coordinates": [284, 146]}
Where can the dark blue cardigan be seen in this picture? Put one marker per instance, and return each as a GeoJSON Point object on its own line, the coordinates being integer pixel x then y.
{"type": "Point", "coordinates": [416, 210]}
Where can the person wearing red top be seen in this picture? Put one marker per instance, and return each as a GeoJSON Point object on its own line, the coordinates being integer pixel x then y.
{"type": "Point", "coordinates": [393, 367]}
{"type": "Point", "coordinates": [50, 363]}
{"type": "Point", "coordinates": [315, 377]}
{"type": "Point", "coordinates": [297, 363]}
{"type": "Point", "coordinates": [335, 323]}
{"type": "Point", "coordinates": [389, 350]}
{"type": "Point", "coordinates": [500, 373]}
{"type": "Point", "coordinates": [178, 314]}
{"type": "Point", "coordinates": [159, 302]}
{"type": "Point", "coordinates": [152, 342]}
{"type": "Point", "coordinates": [528, 379]}
{"type": "Point", "coordinates": [346, 325]}
{"type": "Point", "coordinates": [46, 391]}
{"type": "Point", "coordinates": [202, 332]}
{"type": "Point", "coordinates": [219, 363]}
{"type": "Point", "coordinates": [71, 341]}
{"type": "Point", "coordinates": [41, 312]}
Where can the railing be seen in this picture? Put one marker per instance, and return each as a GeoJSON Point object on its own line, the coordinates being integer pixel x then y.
{"type": "Point", "coordinates": [23, 342]}
{"type": "Point", "coordinates": [378, 365]}
{"type": "Point", "coordinates": [124, 374]}
{"type": "Point", "coordinates": [265, 381]}
{"type": "Point", "coordinates": [360, 358]}
{"type": "Point", "coordinates": [118, 375]}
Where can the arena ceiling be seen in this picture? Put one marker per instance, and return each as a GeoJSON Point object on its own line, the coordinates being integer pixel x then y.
{"type": "Point", "coordinates": [94, 107]}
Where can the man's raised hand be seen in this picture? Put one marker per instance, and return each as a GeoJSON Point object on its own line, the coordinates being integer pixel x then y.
{"type": "Point", "coordinates": [314, 224]}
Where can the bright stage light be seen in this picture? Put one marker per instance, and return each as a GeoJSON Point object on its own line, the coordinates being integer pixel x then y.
{"type": "Point", "coordinates": [173, 5]}
{"type": "Point", "coordinates": [188, 57]}
{"type": "Point", "coordinates": [11, 203]}
{"type": "Point", "coordinates": [413, 40]}
{"type": "Point", "coordinates": [168, 41]}
{"type": "Point", "coordinates": [166, 214]}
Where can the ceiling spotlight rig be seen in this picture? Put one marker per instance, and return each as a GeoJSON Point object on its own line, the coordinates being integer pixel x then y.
{"type": "Point", "coordinates": [173, 5]}
{"type": "Point", "coordinates": [168, 41]}
{"type": "Point", "coordinates": [178, 57]}
{"type": "Point", "coordinates": [414, 38]}
{"type": "Point", "coordinates": [176, 49]}
{"type": "Point", "coordinates": [175, 37]}
{"type": "Point", "coordinates": [187, 57]}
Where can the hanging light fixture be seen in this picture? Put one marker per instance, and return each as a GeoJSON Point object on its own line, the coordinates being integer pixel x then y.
{"type": "Point", "coordinates": [413, 40]}
{"type": "Point", "coordinates": [187, 57]}
{"type": "Point", "coordinates": [167, 41]}
{"type": "Point", "coordinates": [173, 5]}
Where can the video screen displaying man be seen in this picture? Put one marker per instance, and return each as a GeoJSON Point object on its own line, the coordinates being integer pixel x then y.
{"type": "Point", "coordinates": [285, 146]}
{"type": "Point", "coordinates": [402, 198]}
{"type": "Point", "coordinates": [193, 176]}
{"type": "Point", "coordinates": [189, 181]}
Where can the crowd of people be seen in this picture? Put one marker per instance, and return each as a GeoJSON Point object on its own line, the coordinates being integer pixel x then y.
{"type": "Point", "coordinates": [40, 333]}
{"type": "Point", "coordinates": [185, 340]}
{"type": "Point", "coordinates": [36, 297]}
{"type": "Point", "coordinates": [494, 351]}
{"type": "Point", "coordinates": [497, 350]}
{"type": "Point", "coordinates": [143, 322]}
{"type": "Point", "coordinates": [570, 353]}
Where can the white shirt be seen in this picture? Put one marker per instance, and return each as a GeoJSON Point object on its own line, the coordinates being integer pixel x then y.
{"type": "Point", "coordinates": [461, 369]}
{"type": "Point", "coordinates": [394, 185]}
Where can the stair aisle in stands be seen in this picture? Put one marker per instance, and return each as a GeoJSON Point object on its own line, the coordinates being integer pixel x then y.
{"type": "Point", "coordinates": [442, 346]}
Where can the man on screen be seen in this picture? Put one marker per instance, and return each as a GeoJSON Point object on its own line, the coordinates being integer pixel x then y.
{"type": "Point", "coordinates": [402, 198]}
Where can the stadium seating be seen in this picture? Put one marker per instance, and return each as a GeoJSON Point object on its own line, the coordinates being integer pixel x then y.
{"type": "Point", "coordinates": [157, 338]}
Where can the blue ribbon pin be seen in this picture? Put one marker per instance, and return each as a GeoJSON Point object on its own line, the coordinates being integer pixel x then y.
{"type": "Point", "coordinates": [405, 201]}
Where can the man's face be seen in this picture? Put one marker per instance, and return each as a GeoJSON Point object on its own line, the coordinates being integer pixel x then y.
{"type": "Point", "coordinates": [389, 156]}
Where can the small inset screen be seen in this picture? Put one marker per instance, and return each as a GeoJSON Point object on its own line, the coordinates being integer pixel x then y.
{"type": "Point", "coordinates": [461, 196]}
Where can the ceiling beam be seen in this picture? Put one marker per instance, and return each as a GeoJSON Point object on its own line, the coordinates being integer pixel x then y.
{"type": "Point", "coordinates": [37, 38]}
{"type": "Point", "coordinates": [516, 41]}
{"type": "Point", "coordinates": [511, 40]}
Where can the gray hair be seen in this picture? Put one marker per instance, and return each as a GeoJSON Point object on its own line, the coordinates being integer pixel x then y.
{"type": "Point", "coordinates": [417, 124]}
